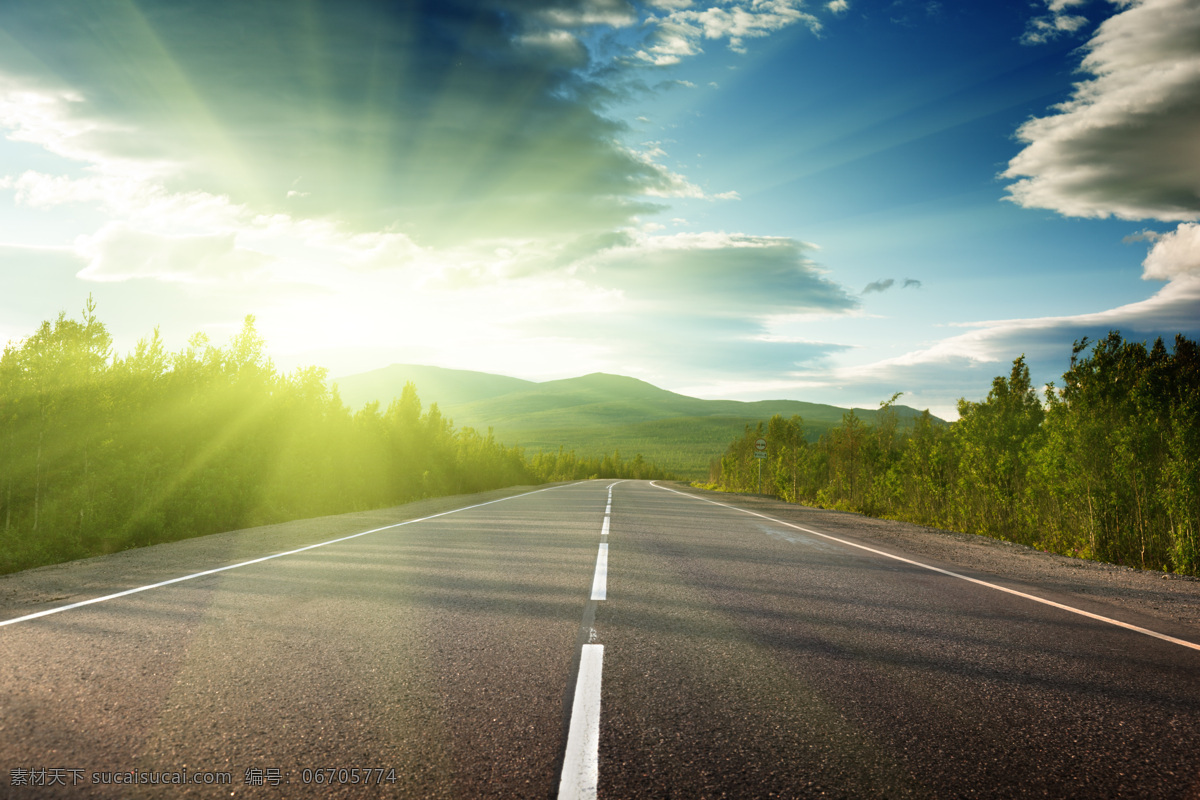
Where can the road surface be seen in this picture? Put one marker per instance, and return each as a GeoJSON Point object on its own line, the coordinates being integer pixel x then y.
{"type": "Point", "coordinates": [611, 639]}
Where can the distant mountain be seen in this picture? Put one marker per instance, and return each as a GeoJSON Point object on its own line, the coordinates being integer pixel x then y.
{"type": "Point", "coordinates": [593, 414]}
{"type": "Point", "coordinates": [446, 387]}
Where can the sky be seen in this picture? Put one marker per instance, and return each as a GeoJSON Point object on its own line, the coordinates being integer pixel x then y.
{"type": "Point", "coordinates": [746, 199]}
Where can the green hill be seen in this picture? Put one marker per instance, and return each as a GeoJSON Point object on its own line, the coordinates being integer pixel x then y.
{"type": "Point", "coordinates": [446, 387]}
{"type": "Point", "coordinates": [593, 414]}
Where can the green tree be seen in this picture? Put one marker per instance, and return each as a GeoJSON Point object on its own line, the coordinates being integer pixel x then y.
{"type": "Point", "coordinates": [997, 438]}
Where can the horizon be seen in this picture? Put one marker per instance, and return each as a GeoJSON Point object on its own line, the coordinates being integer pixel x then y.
{"type": "Point", "coordinates": [334, 379]}
{"type": "Point", "coordinates": [827, 202]}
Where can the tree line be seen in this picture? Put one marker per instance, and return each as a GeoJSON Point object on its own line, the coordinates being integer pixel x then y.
{"type": "Point", "coordinates": [1105, 467]}
{"type": "Point", "coordinates": [100, 452]}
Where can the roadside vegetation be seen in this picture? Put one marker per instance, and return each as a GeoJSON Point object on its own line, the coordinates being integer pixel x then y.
{"type": "Point", "coordinates": [100, 453]}
{"type": "Point", "coordinates": [1106, 467]}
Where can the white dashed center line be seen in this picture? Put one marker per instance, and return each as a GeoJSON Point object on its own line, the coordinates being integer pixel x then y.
{"type": "Point", "coordinates": [600, 582]}
{"type": "Point", "coordinates": [581, 767]}
{"type": "Point", "coordinates": [581, 762]}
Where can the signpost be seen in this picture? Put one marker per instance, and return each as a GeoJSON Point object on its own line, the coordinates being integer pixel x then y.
{"type": "Point", "coordinates": [760, 452]}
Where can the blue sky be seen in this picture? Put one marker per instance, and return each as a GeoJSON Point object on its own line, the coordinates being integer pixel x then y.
{"type": "Point", "coordinates": [827, 201]}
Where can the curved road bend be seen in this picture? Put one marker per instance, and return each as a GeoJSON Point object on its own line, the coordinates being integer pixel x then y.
{"type": "Point", "coordinates": [741, 658]}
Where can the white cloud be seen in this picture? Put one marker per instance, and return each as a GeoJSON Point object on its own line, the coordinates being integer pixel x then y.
{"type": "Point", "coordinates": [679, 33]}
{"type": "Point", "coordinates": [62, 121]}
{"type": "Point", "coordinates": [118, 253]}
{"type": "Point", "coordinates": [838, 6]}
{"type": "Point", "coordinates": [1058, 22]}
{"type": "Point", "coordinates": [185, 236]}
{"type": "Point", "coordinates": [760, 18]}
{"type": "Point", "coordinates": [1174, 255]}
{"type": "Point", "coordinates": [671, 184]}
{"type": "Point", "coordinates": [38, 190]}
{"type": "Point", "coordinates": [611, 13]}
{"type": "Point", "coordinates": [41, 115]}
{"type": "Point", "coordinates": [670, 43]}
{"type": "Point", "coordinates": [144, 202]}
{"type": "Point", "coordinates": [1125, 143]}
{"type": "Point", "coordinates": [964, 364]}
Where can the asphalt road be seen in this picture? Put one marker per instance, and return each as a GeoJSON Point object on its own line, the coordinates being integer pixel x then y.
{"type": "Point", "coordinates": [741, 657]}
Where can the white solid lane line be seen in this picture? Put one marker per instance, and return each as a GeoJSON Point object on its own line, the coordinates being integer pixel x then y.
{"type": "Point", "coordinates": [932, 568]}
{"type": "Point", "coordinates": [115, 595]}
{"type": "Point", "coordinates": [581, 765]}
{"type": "Point", "coordinates": [600, 581]}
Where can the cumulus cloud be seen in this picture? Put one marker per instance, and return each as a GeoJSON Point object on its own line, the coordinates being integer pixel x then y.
{"type": "Point", "coordinates": [118, 253]}
{"type": "Point", "coordinates": [838, 6]}
{"type": "Point", "coordinates": [39, 190]}
{"type": "Point", "coordinates": [737, 23]}
{"type": "Point", "coordinates": [1124, 145]}
{"type": "Point", "coordinates": [1174, 255]}
{"type": "Point", "coordinates": [669, 43]}
{"type": "Point", "coordinates": [612, 13]}
{"type": "Point", "coordinates": [680, 32]}
{"type": "Point", "coordinates": [1057, 22]}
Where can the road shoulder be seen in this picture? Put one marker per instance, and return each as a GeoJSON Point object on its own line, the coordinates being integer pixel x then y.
{"type": "Point", "coordinates": [1152, 596]}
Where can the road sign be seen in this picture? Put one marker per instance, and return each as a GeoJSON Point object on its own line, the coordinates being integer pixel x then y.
{"type": "Point", "coordinates": [760, 445]}
{"type": "Point", "coordinates": [760, 455]}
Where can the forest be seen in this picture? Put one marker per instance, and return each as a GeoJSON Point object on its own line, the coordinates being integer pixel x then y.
{"type": "Point", "coordinates": [100, 452]}
{"type": "Point", "coordinates": [1105, 467]}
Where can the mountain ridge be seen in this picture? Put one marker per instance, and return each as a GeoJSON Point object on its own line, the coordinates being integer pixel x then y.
{"type": "Point", "coordinates": [593, 414]}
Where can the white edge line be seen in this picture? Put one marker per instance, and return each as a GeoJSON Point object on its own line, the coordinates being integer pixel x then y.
{"type": "Point", "coordinates": [1035, 598]}
{"type": "Point", "coordinates": [581, 764]}
{"type": "Point", "coordinates": [600, 581]}
{"type": "Point", "coordinates": [182, 578]}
